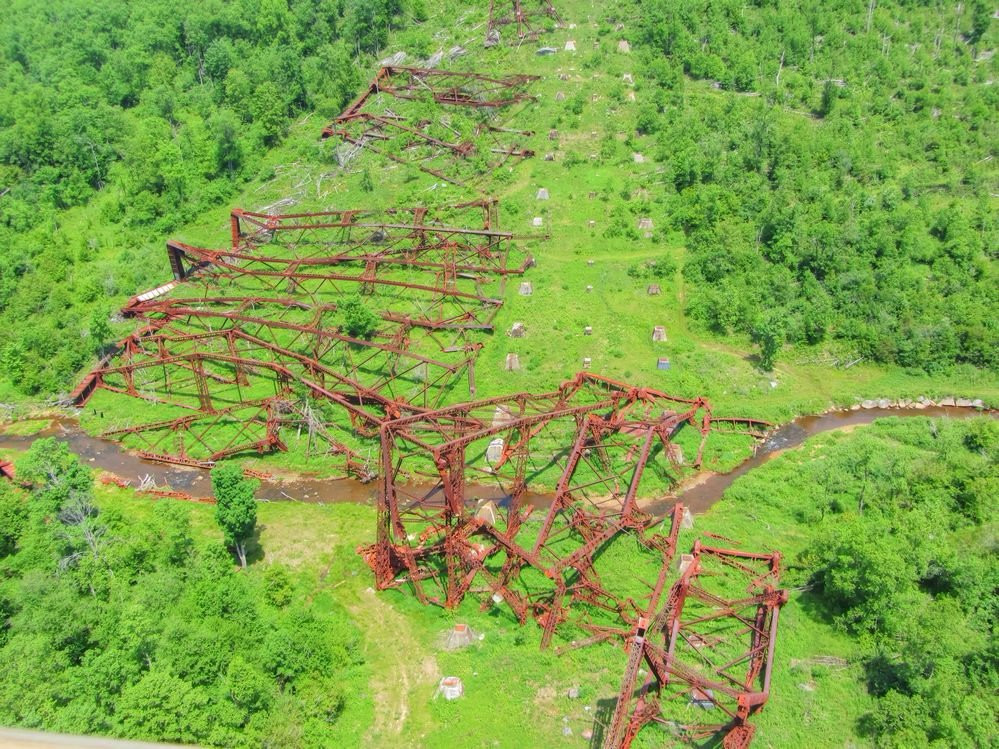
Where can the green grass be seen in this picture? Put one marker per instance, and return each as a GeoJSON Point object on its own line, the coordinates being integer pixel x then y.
{"type": "Point", "coordinates": [515, 695]}
{"type": "Point", "coordinates": [25, 427]}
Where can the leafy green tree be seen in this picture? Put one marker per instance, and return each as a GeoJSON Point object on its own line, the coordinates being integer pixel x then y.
{"type": "Point", "coordinates": [981, 18]}
{"type": "Point", "coordinates": [768, 333]}
{"type": "Point", "coordinates": [367, 184]}
{"type": "Point", "coordinates": [100, 330]}
{"type": "Point", "coordinates": [158, 706]}
{"type": "Point", "coordinates": [236, 507]}
{"type": "Point", "coordinates": [174, 544]}
{"type": "Point", "coordinates": [53, 473]}
{"type": "Point", "coordinates": [268, 110]}
{"type": "Point", "coordinates": [13, 516]}
{"type": "Point", "coordinates": [248, 686]}
{"type": "Point", "coordinates": [358, 320]}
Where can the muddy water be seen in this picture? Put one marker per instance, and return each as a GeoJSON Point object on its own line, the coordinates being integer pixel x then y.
{"type": "Point", "coordinates": [706, 489]}
{"type": "Point", "coordinates": [698, 494]}
{"type": "Point", "coordinates": [111, 457]}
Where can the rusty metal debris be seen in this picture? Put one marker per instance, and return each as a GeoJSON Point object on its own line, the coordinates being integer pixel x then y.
{"type": "Point", "coordinates": [378, 121]}
{"type": "Point", "coordinates": [524, 14]}
{"type": "Point", "coordinates": [250, 341]}
{"type": "Point", "coordinates": [456, 511]}
{"type": "Point", "coordinates": [709, 649]}
{"type": "Point", "coordinates": [251, 344]}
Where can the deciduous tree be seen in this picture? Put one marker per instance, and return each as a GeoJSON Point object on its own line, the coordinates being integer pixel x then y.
{"type": "Point", "coordinates": [236, 508]}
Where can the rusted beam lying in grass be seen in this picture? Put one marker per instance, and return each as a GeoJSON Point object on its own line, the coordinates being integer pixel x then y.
{"type": "Point", "coordinates": [524, 14]}
{"type": "Point", "coordinates": [261, 323]}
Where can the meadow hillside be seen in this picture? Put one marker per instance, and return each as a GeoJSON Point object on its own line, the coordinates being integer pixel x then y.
{"type": "Point", "coordinates": [811, 185]}
{"type": "Point", "coordinates": [816, 180]}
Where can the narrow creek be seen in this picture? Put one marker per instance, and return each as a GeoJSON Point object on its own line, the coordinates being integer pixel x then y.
{"type": "Point", "coordinates": [698, 494]}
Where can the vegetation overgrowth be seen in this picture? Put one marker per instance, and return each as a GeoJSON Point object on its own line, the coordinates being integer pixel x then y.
{"type": "Point", "coordinates": [70, 267]}
{"type": "Point", "coordinates": [819, 187]}
{"type": "Point", "coordinates": [843, 187]}
{"type": "Point", "coordinates": [128, 619]}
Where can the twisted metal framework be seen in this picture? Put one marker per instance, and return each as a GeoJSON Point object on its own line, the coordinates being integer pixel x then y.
{"type": "Point", "coordinates": [456, 514]}
{"type": "Point", "coordinates": [709, 650]}
{"type": "Point", "coordinates": [248, 341]}
{"type": "Point", "coordinates": [388, 119]}
{"type": "Point", "coordinates": [520, 15]}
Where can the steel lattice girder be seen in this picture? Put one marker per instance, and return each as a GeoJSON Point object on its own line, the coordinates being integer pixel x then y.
{"type": "Point", "coordinates": [265, 311]}
{"type": "Point", "coordinates": [519, 15]}
{"type": "Point", "coordinates": [709, 645]}
{"type": "Point", "coordinates": [595, 440]}
{"type": "Point", "coordinates": [375, 121]}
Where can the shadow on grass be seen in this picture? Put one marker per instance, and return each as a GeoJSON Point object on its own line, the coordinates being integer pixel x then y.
{"type": "Point", "coordinates": [815, 608]}
{"type": "Point", "coordinates": [254, 551]}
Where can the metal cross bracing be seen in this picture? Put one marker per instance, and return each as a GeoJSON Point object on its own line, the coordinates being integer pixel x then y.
{"type": "Point", "coordinates": [392, 118]}
{"type": "Point", "coordinates": [522, 14]}
{"type": "Point", "coordinates": [708, 648]}
{"type": "Point", "coordinates": [256, 326]}
{"type": "Point", "coordinates": [456, 513]}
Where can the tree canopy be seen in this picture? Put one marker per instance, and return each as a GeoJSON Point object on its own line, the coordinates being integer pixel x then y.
{"type": "Point", "coordinates": [236, 508]}
{"type": "Point", "coordinates": [831, 163]}
{"type": "Point", "coordinates": [123, 624]}
{"type": "Point", "coordinates": [157, 110]}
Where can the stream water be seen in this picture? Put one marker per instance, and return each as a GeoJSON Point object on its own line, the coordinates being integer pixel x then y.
{"type": "Point", "coordinates": [698, 494]}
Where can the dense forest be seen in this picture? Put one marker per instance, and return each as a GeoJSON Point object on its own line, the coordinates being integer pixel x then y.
{"type": "Point", "coordinates": [143, 629]}
{"type": "Point", "coordinates": [163, 109]}
{"type": "Point", "coordinates": [832, 167]}
{"type": "Point", "coordinates": [893, 534]}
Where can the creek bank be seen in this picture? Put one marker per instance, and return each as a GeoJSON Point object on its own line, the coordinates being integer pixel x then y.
{"type": "Point", "coordinates": [699, 492]}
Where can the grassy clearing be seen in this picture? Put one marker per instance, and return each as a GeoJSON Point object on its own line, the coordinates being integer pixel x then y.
{"type": "Point", "coordinates": [515, 694]}
{"type": "Point", "coordinates": [25, 427]}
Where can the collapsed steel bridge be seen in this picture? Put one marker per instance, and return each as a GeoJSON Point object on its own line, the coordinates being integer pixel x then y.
{"type": "Point", "coordinates": [250, 340]}
{"type": "Point", "coordinates": [390, 118]}
{"type": "Point", "coordinates": [249, 343]}
{"type": "Point", "coordinates": [455, 508]}
{"type": "Point", "coordinates": [708, 647]}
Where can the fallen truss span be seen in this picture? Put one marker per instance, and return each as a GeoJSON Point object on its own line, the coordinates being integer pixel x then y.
{"type": "Point", "coordinates": [255, 339]}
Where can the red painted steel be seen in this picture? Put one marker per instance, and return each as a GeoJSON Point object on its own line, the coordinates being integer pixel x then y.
{"type": "Point", "coordinates": [709, 651]}
{"type": "Point", "coordinates": [455, 511]}
{"type": "Point", "coordinates": [518, 13]}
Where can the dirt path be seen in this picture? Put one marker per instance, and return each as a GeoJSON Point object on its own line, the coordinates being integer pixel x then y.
{"type": "Point", "coordinates": [405, 672]}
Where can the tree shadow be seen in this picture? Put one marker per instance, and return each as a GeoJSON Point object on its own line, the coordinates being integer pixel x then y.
{"type": "Point", "coordinates": [601, 720]}
{"type": "Point", "coordinates": [883, 675]}
{"type": "Point", "coordinates": [254, 551]}
{"type": "Point", "coordinates": [815, 608]}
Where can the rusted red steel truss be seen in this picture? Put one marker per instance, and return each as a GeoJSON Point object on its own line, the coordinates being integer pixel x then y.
{"type": "Point", "coordinates": [376, 122]}
{"type": "Point", "coordinates": [249, 338]}
{"type": "Point", "coordinates": [708, 647]}
{"type": "Point", "coordinates": [456, 514]}
{"type": "Point", "coordinates": [520, 13]}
